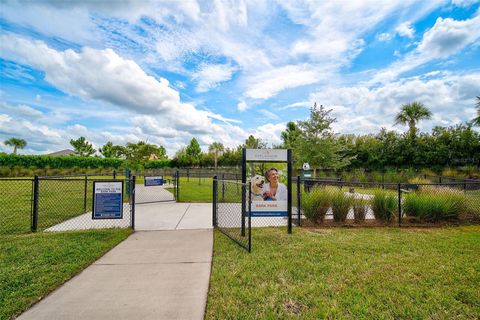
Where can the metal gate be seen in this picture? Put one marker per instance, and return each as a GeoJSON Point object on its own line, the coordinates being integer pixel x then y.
{"type": "Point", "coordinates": [152, 189]}
{"type": "Point", "coordinates": [230, 207]}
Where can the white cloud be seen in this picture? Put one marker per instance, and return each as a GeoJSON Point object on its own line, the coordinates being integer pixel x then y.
{"type": "Point", "coordinates": [464, 3]}
{"type": "Point", "coordinates": [242, 106]}
{"type": "Point", "coordinates": [445, 38]}
{"type": "Point", "coordinates": [405, 29]}
{"type": "Point", "coordinates": [22, 110]}
{"type": "Point", "coordinates": [384, 37]}
{"type": "Point", "coordinates": [269, 83]}
{"type": "Point", "coordinates": [104, 75]}
{"type": "Point", "coordinates": [448, 36]}
{"type": "Point", "coordinates": [210, 76]}
{"type": "Point", "coordinates": [268, 114]}
{"type": "Point", "coordinates": [361, 109]}
{"type": "Point", "coordinates": [270, 132]}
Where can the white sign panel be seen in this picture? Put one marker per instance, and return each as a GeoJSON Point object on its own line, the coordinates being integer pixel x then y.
{"type": "Point", "coordinates": [271, 155]}
{"type": "Point", "coordinates": [269, 209]}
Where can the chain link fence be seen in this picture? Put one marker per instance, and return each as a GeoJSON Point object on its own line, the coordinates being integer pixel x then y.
{"type": "Point", "coordinates": [16, 201]}
{"type": "Point", "coordinates": [230, 204]}
{"type": "Point", "coordinates": [333, 202]}
{"type": "Point", "coordinates": [57, 204]}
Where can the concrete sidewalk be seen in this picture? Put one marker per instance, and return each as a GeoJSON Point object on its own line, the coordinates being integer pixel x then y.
{"type": "Point", "coordinates": [173, 216]}
{"type": "Point", "coordinates": [151, 275]}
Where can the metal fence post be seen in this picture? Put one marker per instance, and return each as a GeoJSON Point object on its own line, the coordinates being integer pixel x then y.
{"type": "Point", "coordinates": [178, 185]}
{"type": "Point", "coordinates": [35, 204]}
{"type": "Point", "coordinates": [214, 213]}
{"type": "Point", "coordinates": [223, 187]}
{"type": "Point", "coordinates": [399, 205]}
{"type": "Point", "coordinates": [249, 219]}
{"type": "Point", "coordinates": [299, 200]}
{"type": "Point", "coordinates": [244, 190]}
{"type": "Point", "coordinates": [289, 194]}
{"type": "Point", "coordinates": [85, 190]}
{"type": "Point", "coordinates": [132, 196]}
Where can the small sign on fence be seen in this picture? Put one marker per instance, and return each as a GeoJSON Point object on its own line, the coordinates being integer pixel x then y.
{"type": "Point", "coordinates": [107, 200]}
{"type": "Point", "coordinates": [153, 181]}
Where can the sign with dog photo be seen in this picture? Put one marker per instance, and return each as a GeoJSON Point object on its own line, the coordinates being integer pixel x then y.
{"type": "Point", "coordinates": [268, 185]}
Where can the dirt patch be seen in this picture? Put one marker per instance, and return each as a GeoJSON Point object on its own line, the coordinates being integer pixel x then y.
{"type": "Point", "coordinates": [293, 307]}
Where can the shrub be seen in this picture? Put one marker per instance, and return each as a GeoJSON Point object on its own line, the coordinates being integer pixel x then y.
{"type": "Point", "coordinates": [316, 203]}
{"type": "Point", "coordinates": [449, 172]}
{"type": "Point", "coordinates": [360, 207]}
{"type": "Point", "coordinates": [377, 176]}
{"type": "Point", "coordinates": [384, 205]}
{"type": "Point", "coordinates": [435, 204]}
{"type": "Point", "coordinates": [341, 204]}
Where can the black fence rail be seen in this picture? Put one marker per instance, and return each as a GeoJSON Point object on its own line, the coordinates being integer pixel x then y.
{"type": "Point", "coordinates": [339, 202]}
{"type": "Point", "coordinates": [57, 204]}
{"type": "Point", "coordinates": [231, 202]}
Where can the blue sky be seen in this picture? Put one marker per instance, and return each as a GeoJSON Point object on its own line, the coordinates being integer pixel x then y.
{"type": "Point", "coordinates": [167, 71]}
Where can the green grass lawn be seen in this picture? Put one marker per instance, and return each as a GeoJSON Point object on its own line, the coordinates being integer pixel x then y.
{"type": "Point", "coordinates": [33, 265]}
{"type": "Point", "coordinates": [340, 273]}
{"type": "Point", "coordinates": [59, 200]}
{"type": "Point", "coordinates": [195, 189]}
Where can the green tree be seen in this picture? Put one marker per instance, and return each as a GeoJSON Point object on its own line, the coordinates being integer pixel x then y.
{"type": "Point", "coordinates": [411, 114]}
{"type": "Point", "coordinates": [141, 151]}
{"type": "Point", "coordinates": [82, 147]}
{"type": "Point", "coordinates": [476, 121]}
{"type": "Point", "coordinates": [216, 148]}
{"type": "Point", "coordinates": [317, 143]}
{"type": "Point", "coordinates": [193, 152]}
{"type": "Point", "coordinates": [107, 150]}
{"type": "Point", "coordinates": [16, 143]}
{"type": "Point", "coordinates": [290, 136]}
{"type": "Point", "coordinates": [254, 143]}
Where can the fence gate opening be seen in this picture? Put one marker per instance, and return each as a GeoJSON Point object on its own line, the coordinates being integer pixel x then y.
{"type": "Point", "coordinates": [156, 188]}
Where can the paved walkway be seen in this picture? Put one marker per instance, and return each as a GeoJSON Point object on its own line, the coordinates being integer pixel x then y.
{"type": "Point", "coordinates": [151, 275]}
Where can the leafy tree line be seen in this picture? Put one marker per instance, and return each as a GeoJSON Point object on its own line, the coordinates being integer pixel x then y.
{"type": "Point", "coordinates": [314, 141]}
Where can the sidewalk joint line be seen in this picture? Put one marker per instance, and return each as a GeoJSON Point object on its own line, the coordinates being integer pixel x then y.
{"type": "Point", "coordinates": [183, 216]}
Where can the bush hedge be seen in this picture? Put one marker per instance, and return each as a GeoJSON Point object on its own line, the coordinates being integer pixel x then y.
{"type": "Point", "coordinates": [12, 164]}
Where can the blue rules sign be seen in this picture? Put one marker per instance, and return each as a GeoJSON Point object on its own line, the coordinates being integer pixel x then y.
{"type": "Point", "coordinates": [153, 181]}
{"type": "Point", "coordinates": [107, 200]}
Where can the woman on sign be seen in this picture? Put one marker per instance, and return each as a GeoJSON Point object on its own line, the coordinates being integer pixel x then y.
{"type": "Point", "coordinates": [273, 190]}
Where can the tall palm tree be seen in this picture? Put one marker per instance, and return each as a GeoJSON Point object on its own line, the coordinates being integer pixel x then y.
{"type": "Point", "coordinates": [217, 149]}
{"type": "Point", "coordinates": [411, 114]}
{"type": "Point", "coordinates": [476, 121]}
{"type": "Point", "coordinates": [16, 144]}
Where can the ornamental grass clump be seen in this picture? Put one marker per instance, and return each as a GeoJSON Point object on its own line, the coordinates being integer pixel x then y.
{"type": "Point", "coordinates": [360, 208]}
{"type": "Point", "coordinates": [316, 203]}
{"type": "Point", "coordinates": [435, 204]}
{"type": "Point", "coordinates": [384, 205]}
{"type": "Point", "coordinates": [341, 204]}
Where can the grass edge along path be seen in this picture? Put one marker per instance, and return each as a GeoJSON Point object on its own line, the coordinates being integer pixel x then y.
{"type": "Point", "coordinates": [33, 265]}
{"type": "Point", "coordinates": [342, 273]}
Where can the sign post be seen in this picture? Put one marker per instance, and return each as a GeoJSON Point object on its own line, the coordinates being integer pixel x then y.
{"type": "Point", "coordinates": [107, 200]}
{"type": "Point", "coordinates": [307, 173]}
{"type": "Point", "coordinates": [270, 193]}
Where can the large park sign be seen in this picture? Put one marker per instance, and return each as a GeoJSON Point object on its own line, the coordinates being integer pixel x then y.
{"type": "Point", "coordinates": [268, 173]}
